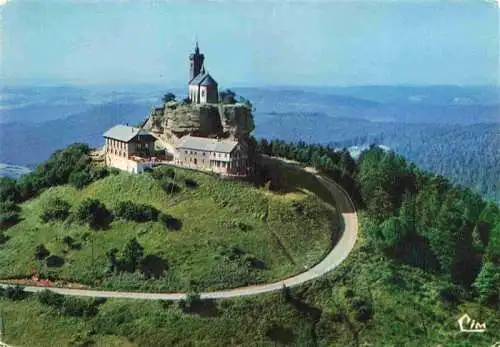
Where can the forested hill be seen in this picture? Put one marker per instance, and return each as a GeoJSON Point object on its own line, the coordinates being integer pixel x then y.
{"type": "Point", "coordinates": [418, 218]}
{"type": "Point", "coordinates": [467, 154]}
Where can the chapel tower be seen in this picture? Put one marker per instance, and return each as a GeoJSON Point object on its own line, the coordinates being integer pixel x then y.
{"type": "Point", "coordinates": [196, 62]}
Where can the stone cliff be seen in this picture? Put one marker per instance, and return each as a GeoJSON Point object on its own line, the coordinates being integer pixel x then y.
{"type": "Point", "coordinates": [206, 120]}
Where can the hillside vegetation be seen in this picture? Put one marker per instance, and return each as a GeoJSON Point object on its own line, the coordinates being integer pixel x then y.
{"type": "Point", "coordinates": [427, 253]}
{"type": "Point", "coordinates": [166, 230]}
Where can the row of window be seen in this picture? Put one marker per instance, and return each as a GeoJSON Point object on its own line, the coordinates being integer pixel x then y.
{"type": "Point", "coordinates": [215, 154]}
{"type": "Point", "coordinates": [117, 152]}
{"type": "Point", "coordinates": [116, 144]}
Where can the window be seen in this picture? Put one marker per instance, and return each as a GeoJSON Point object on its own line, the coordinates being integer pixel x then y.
{"type": "Point", "coordinates": [203, 93]}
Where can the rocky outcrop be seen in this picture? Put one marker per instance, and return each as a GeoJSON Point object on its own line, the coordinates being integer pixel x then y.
{"type": "Point", "coordinates": [236, 120]}
{"type": "Point", "coordinates": [206, 120]}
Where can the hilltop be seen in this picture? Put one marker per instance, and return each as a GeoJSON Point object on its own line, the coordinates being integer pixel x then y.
{"type": "Point", "coordinates": [198, 232]}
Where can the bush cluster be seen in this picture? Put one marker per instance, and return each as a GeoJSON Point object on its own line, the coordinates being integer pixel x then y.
{"type": "Point", "coordinates": [56, 209]}
{"type": "Point", "coordinates": [9, 214]}
{"type": "Point", "coordinates": [68, 305]}
{"type": "Point", "coordinates": [135, 212]}
{"type": "Point", "coordinates": [14, 293]}
{"type": "Point", "coordinates": [170, 222]}
{"type": "Point", "coordinates": [93, 213]}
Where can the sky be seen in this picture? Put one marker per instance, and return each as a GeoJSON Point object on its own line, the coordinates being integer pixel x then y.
{"type": "Point", "coordinates": [251, 43]}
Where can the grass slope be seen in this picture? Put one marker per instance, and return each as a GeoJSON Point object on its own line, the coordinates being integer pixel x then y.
{"type": "Point", "coordinates": [283, 239]}
{"type": "Point", "coordinates": [406, 311]}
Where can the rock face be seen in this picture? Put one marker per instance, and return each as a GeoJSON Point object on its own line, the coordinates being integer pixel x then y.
{"type": "Point", "coordinates": [237, 120]}
{"type": "Point", "coordinates": [206, 120]}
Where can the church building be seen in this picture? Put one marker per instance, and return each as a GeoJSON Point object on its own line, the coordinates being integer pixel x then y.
{"type": "Point", "coordinates": [202, 87]}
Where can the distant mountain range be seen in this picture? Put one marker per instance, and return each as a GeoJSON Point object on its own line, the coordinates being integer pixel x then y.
{"type": "Point", "coordinates": [452, 131]}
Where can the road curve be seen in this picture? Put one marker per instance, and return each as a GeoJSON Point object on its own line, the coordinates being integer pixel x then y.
{"type": "Point", "coordinates": [339, 252]}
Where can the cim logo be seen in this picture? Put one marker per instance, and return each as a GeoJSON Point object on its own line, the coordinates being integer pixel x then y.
{"type": "Point", "coordinates": [469, 325]}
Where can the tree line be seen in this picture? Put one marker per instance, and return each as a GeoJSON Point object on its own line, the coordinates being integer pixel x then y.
{"type": "Point", "coordinates": [414, 216]}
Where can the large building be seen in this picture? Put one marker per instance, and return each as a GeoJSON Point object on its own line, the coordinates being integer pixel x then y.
{"type": "Point", "coordinates": [202, 87]}
{"type": "Point", "coordinates": [130, 149]}
{"type": "Point", "coordinates": [221, 156]}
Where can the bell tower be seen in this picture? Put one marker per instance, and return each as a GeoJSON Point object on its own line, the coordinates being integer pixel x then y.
{"type": "Point", "coordinates": [196, 62]}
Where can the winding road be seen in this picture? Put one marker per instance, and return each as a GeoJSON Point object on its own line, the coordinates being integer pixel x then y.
{"type": "Point", "coordinates": [333, 259]}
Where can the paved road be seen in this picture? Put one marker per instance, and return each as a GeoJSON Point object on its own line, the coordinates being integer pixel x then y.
{"type": "Point", "coordinates": [339, 252]}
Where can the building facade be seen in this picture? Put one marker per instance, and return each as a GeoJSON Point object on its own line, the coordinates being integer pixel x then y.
{"type": "Point", "coordinates": [225, 157]}
{"type": "Point", "coordinates": [129, 149]}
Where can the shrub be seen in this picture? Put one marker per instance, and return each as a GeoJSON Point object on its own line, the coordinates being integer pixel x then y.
{"type": "Point", "coordinates": [93, 213]}
{"type": "Point", "coordinates": [136, 212]}
{"type": "Point", "coordinates": [54, 261]}
{"type": "Point", "coordinates": [77, 307]}
{"type": "Point", "coordinates": [168, 97]}
{"type": "Point", "coordinates": [170, 222]}
{"type": "Point", "coordinates": [285, 294]}
{"type": "Point", "coordinates": [132, 253]}
{"type": "Point", "coordinates": [56, 209]}
{"type": "Point", "coordinates": [163, 173]}
{"type": "Point", "coordinates": [68, 305]}
{"type": "Point", "coordinates": [9, 190]}
{"type": "Point", "coordinates": [363, 310]}
{"type": "Point", "coordinates": [190, 183]}
{"type": "Point", "coordinates": [80, 179]}
{"type": "Point", "coordinates": [171, 188]}
{"type": "Point", "coordinates": [70, 242]}
{"type": "Point", "coordinates": [8, 219]}
{"type": "Point", "coordinates": [451, 294]}
{"type": "Point", "coordinates": [41, 252]}
{"type": "Point", "coordinates": [50, 298]}
{"type": "Point", "coordinates": [192, 299]}
{"type": "Point", "coordinates": [99, 172]}
{"type": "Point", "coordinates": [3, 238]}
{"type": "Point", "coordinates": [153, 266]}
{"type": "Point", "coordinates": [114, 171]}
{"type": "Point", "coordinates": [14, 293]}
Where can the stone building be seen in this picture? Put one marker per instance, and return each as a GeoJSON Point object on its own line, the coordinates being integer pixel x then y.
{"type": "Point", "coordinates": [202, 87]}
{"type": "Point", "coordinates": [225, 157]}
{"type": "Point", "coordinates": [130, 149]}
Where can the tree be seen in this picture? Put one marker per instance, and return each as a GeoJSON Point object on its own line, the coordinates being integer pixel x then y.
{"type": "Point", "coordinates": [132, 253]}
{"type": "Point", "coordinates": [41, 252]}
{"type": "Point", "coordinates": [93, 213]}
{"type": "Point", "coordinates": [392, 233]}
{"type": "Point", "coordinates": [493, 249]}
{"type": "Point", "coordinates": [227, 97]}
{"type": "Point", "coordinates": [8, 190]}
{"type": "Point", "coordinates": [56, 209]}
{"type": "Point", "coordinates": [168, 97]}
{"type": "Point", "coordinates": [487, 283]}
{"type": "Point", "coordinates": [112, 259]}
{"type": "Point", "coordinates": [80, 179]}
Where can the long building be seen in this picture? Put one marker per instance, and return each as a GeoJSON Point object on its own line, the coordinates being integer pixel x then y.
{"type": "Point", "coordinates": [221, 156]}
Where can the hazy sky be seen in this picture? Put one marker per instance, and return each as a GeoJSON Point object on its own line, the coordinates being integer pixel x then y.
{"type": "Point", "coordinates": [252, 42]}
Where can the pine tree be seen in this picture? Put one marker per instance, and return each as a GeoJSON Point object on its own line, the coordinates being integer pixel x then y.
{"type": "Point", "coordinates": [132, 253]}
{"type": "Point", "coordinates": [488, 283]}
